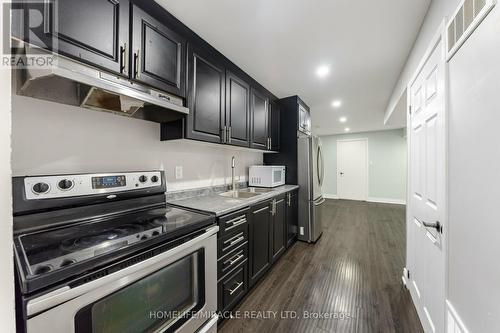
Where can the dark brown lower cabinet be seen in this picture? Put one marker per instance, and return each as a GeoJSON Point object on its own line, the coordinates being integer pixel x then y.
{"type": "Point", "coordinates": [259, 240]}
{"type": "Point", "coordinates": [278, 227]}
{"type": "Point", "coordinates": [292, 222]}
{"type": "Point", "coordinates": [249, 242]}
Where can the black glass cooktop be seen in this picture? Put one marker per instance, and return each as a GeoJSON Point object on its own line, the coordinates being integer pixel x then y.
{"type": "Point", "coordinates": [54, 249]}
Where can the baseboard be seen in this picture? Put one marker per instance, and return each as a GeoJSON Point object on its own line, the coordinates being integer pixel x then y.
{"type": "Point", "coordinates": [454, 323]}
{"type": "Point", "coordinates": [330, 196]}
{"type": "Point", "coordinates": [387, 200]}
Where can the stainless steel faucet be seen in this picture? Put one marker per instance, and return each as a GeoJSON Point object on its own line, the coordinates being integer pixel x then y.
{"type": "Point", "coordinates": [233, 180]}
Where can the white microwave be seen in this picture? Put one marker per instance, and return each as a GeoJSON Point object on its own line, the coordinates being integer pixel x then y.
{"type": "Point", "coordinates": [266, 176]}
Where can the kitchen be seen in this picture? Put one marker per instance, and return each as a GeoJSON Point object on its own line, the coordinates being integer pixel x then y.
{"type": "Point", "coordinates": [157, 186]}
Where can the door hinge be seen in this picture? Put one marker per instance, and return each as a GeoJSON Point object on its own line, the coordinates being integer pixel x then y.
{"type": "Point", "coordinates": [409, 109]}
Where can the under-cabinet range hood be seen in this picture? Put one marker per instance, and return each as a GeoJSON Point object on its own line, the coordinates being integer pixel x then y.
{"type": "Point", "coordinates": [73, 83]}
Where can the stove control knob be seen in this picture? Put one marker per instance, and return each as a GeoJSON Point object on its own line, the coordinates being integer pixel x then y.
{"type": "Point", "coordinates": [143, 179]}
{"type": "Point", "coordinates": [40, 188]}
{"type": "Point", "coordinates": [65, 184]}
{"type": "Point", "coordinates": [144, 237]}
{"type": "Point", "coordinates": [154, 179]}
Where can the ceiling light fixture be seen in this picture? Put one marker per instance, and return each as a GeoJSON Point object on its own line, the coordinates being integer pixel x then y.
{"type": "Point", "coordinates": [322, 71]}
{"type": "Point", "coordinates": [342, 119]}
{"type": "Point", "coordinates": [347, 129]}
{"type": "Point", "coordinates": [337, 103]}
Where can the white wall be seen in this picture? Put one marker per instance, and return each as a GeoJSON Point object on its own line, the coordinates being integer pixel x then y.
{"type": "Point", "coordinates": [474, 179]}
{"type": "Point", "coordinates": [387, 163]}
{"type": "Point", "coordinates": [50, 138]}
{"type": "Point", "coordinates": [435, 15]}
{"type": "Point", "coordinates": [7, 323]}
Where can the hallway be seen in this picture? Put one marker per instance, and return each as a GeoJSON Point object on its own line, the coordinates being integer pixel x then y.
{"type": "Point", "coordinates": [353, 275]}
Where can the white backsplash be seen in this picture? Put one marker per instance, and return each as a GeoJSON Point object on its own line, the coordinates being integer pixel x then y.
{"type": "Point", "coordinates": [50, 138]}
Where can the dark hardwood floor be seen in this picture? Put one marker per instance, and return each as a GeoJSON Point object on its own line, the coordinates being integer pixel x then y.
{"type": "Point", "coordinates": [352, 273]}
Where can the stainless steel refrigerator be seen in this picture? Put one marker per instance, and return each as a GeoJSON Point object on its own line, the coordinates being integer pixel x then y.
{"type": "Point", "coordinates": [310, 163]}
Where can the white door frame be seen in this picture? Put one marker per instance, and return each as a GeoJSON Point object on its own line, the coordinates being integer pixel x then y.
{"type": "Point", "coordinates": [439, 36]}
{"type": "Point", "coordinates": [367, 165]}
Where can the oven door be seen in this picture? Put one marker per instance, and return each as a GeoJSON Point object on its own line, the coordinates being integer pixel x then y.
{"type": "Point", "coordinates": [172, 291]}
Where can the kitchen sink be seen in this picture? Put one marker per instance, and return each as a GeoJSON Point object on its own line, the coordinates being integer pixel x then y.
{"type": "Point", "coordinates": [257, 190]}
{"type": "Point", "coordinates": [240, 194]}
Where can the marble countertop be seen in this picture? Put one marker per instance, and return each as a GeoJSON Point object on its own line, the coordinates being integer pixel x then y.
{"type": "Point", "coordinates": [219, 205]}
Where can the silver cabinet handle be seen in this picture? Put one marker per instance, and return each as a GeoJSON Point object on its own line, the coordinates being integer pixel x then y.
{"type": "Point", "coordinates": [435, 225]}
{"type": "Point", "coordinates": [223, 134]}
{"type": "Point", "coordinates": [123, 58]}
{"type": "Point", "coordinates": [232, 291]}
{"type": "Point", "coordinates": [289, 200]}
{"type": "Point", "coordinates": [235, 240]}
{"type": "Point", "coordinates": [236, 222]}
{"type": "Point", "coordinates": [234, 259]}
{"type": "Point", "coordinates": [137, 63]}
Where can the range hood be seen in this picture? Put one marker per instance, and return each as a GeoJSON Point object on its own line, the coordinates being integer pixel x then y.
{"type": "Point", "coordinates": [73, 83]}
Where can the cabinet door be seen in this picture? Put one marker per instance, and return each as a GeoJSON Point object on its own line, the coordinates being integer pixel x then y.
{"type": "Point", "coordinates": [260, 117]}
{"type": "Point", "coordinates": [278, 228]}
{"type": "Point", "coordinates": [237, 110]}
{"type": "Point", "coordinates": [292, 222]}
{"type": "Point", "coordinates": [205, 97]}
{"type": "Point", "coordinates": [304, 120]}
{"type": "Point", "coordinates": [158, 54]}
{"type": "Point", "coordinates": [274, 126]}
{"type": "Point", "coordinates": [93, 31]}
{"type": "Point", "coordinates": [260, 221]}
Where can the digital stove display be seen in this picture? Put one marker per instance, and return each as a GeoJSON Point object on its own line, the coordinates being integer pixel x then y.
{"type": "Point", "coordinates": [108, 182]}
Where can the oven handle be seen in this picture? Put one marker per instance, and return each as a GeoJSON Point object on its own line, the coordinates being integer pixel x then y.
{"type": "Point", "coordinates": [140, 270]}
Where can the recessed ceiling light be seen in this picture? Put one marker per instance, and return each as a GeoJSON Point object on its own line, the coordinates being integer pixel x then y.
{"type": "Point", "coordinates": [337, 103]}
{"type": "Point", "coordinates": [322, 71]}
{"type": "Point", "coordinates": [347, 129]}
{"type": "Point", "coordinates": [342, 119]}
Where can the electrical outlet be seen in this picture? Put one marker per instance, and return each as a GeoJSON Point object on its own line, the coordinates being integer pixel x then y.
{"type": "Point", "coordinates": [178, 172]}
{"type": "Point", "coordinates": [301, 231]}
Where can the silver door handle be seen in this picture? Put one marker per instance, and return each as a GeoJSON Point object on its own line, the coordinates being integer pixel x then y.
{"type": "Point", "coordinates": [232, 291]}
{"type": "Point", "coordinates": [224, 134]}
{"type": "Point", "coordinates": [434, 225]}
{"type": "Point", "coordinates": [234, 259]}
{"type": "Point", "coordinates": [234, 223]}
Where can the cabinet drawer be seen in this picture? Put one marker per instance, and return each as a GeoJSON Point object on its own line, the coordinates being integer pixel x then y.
{"type": "Point", "coordinates": [233, 288]}
{"type": "Point", "coordinates": [231, 241]}
{"type": "Point", "coordinates": [232, 260]}
{"type": "Point", "coordinates": [232, 222]}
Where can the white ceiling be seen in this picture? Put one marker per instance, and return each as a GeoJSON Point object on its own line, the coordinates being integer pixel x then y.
{"type": "Point", "coordinates": [280, 43]}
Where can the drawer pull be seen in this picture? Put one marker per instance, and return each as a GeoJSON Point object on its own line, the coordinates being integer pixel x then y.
{"type": "Point", "coordinates": [234, 223]}
{"type": "Point", "coordinates": [234, 241]}
{"type": "Point", "coordinates": [232, 291]}
{"type": "Point", "coordinates": [234, 259]}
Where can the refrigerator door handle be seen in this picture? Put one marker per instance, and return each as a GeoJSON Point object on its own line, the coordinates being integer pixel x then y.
{"type": "Point", "coordinates": [320, 166]}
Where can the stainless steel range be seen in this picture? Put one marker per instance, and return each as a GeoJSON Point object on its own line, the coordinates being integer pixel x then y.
{"type": "Point", "coordinates": [105, 253]}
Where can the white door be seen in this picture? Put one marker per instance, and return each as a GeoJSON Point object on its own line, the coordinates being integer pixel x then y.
{"type": "Point", "coordinates": [352, 169]}
{"type": "Point", "coordinates": [426, 204]}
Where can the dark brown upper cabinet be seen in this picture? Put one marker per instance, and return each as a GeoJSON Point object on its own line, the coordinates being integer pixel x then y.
{"type": "Point", "coordinates": [206, 91]}
{"type": "Point", "coordinates": [259, 120]}
{"type": "Point", "coordinates": [95, 32]}
{"type": "Point", "coordinates": [158, 54]}
{"type": "Point", "coordinates": [274, 126]}
{"type": "Point", "coordinates": [237, 110]}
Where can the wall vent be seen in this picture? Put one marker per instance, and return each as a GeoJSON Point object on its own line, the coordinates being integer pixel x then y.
{"type": "Point", "coordinates": [466, 19]}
